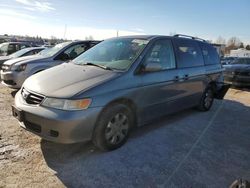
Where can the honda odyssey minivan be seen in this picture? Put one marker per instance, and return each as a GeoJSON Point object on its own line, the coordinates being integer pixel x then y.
{"type": "Point", "coordinates": [118, 84]}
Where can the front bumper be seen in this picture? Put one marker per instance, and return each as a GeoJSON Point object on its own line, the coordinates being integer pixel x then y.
{"type": "Point", "coordinates": [237, 80]}
{"type": "Point", "coordinates": [221, 90]}
{"type": "Point", "coordinates": [58, 125]}
{"type": "Point", "coordinates": [13, 79]}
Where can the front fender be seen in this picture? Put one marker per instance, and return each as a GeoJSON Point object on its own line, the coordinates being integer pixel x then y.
{"type": "Point", "coordinates": [38, 69]}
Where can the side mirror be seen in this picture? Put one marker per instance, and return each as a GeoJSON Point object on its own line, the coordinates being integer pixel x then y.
{"type": "Point", "coordinates": [152, 67]}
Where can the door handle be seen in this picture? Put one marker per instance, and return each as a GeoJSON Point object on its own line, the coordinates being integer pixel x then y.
{"type": "Point", "coordinates": [186, 77]}
{"type": "Point", "coordinates": [176, 78]}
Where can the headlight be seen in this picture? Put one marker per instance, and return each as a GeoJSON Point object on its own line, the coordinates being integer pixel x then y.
{"type": "Point", "coordinates": [64, 104]}
{"type": "Point", "coordinates": [19, 68]}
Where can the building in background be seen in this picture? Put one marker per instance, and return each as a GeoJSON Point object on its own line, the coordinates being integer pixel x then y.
{"type": "Point", "coordinates": [241, 52]}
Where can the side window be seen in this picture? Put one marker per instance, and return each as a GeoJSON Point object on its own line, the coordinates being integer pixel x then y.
{"type": "Point", "coordinates": [188, 53]}
{"type": "Point", "coordinates": [36, 51]}
{"type": "Point", "coordinates": [75, 50]}
{"type": "Point", "coordinates": [22, 46]}
{"type": "Point", "coordinates": [161, 53]}
{"type": "Point", "coordinates": [12, 48]}
{"type": "Point", "coordinates": [210, 54]}
{"type": "Point", "coordinates": [32, 52]}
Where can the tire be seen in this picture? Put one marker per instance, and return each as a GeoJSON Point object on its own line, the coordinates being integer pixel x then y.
{"type": "Point", "coordinates": [206, 100]}
{"type": "Point", "coordinates": [113, 127]}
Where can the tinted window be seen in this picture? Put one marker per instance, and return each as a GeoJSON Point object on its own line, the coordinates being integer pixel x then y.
{"type": "Point", "coordinates": [210, 54]}
{"type": "Point", "coordinates": [161, 53]}
{"type": "Point", "coordinates": [12, 48]}
{"type": "Point", "coordinates": [188, 53]}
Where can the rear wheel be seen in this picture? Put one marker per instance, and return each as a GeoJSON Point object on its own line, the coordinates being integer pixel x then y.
{"type": "Point", "coordinates": [113, 127]}
{"type": "Point", "coordinates": [206, 100]}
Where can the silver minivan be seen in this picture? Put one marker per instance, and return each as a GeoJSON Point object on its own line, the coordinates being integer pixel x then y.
{"type": "Point", "coordinates": [119, 84]}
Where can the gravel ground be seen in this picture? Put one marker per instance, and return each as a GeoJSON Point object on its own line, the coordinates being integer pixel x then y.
{"type": "Point", "coordinates": [188, 149]}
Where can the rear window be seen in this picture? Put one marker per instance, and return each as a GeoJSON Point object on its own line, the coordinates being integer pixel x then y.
{"type": "Point", "coordinates": [210, 54]}
{"type": "Point", "coordinates": [188, 53]}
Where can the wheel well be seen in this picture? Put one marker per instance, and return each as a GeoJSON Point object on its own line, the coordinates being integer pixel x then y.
{"type": "Point", "coordinates": [127, 102]}
{"type": "Point", "coordinates": [213, 86]}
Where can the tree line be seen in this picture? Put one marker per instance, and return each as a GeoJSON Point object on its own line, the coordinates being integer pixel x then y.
{"type": "Point", "coordinates": [232, 43]}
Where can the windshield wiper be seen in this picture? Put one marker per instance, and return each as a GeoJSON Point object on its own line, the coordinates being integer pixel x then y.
{"type": "Point", "coordinates": [101, 66]}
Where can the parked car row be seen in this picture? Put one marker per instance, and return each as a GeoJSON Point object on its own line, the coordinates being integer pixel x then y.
{"type": "Point", "coordinates": [112, 87]}
{"type": "Point", "coordinates": [237, 73]}
{"type": "Point", "coordinates": [15, 71]}
{"type": "Point", "coordinates": [21, 53]}
{"type": "Point", "coordinates": [8, 48]}
{"type": "Point", "coordinates": [227, 60]}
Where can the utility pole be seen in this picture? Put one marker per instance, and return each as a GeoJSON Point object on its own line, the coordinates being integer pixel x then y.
{"type": "Point", "coordinates": [65, 30]}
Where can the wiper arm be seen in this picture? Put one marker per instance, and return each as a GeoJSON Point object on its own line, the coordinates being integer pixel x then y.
{"type": "Point", "coordinates": [101, 66]}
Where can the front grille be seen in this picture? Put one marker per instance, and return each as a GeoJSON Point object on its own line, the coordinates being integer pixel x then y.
{"type": "Point", "coordinates": [33, 127]}
{"type": "Point", "coordinates": [31, 98]}
{"type": "Point", "coordinates": [244, 73]}
{"type": "Point", "coordinates": [9, 82]}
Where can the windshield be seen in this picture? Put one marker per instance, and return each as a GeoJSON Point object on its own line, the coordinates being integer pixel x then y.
{"type": "Point", "coordinates": [3, 49]}
{"type": "Point", "coordinates": [20, 52]}
{"type": "Point", "coordinates": [52, 51]}
{"type": "Point", "coordinates": [242, 61]}
{"type": "Point", "coordinates": [114, 53]}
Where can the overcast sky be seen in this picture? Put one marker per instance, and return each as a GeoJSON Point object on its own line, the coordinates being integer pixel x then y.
{"type": "Point", "coordinates": [207, 19]}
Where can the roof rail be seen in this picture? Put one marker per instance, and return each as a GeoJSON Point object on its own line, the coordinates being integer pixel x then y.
{"type": "Point", "coordinates": [187, 36]}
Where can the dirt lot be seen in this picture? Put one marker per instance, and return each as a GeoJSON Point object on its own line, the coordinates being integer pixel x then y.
{"type": "Point", "coordinates": [189, 149]}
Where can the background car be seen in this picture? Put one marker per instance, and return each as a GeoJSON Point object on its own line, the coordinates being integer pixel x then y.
{"type": "Point", "coordinates": [238, 73]}
{"type": "Point", "coordinates": [15, 71]}
{"type": "Point", "coordinates": [21, 53]}
{"type": "Point", "coordinates": [228, 60]}
{"type": "Point", "coordinates": [8, 48]}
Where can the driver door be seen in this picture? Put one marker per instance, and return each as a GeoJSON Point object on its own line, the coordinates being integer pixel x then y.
{"type": "Point", "coordinates": [160, 89]}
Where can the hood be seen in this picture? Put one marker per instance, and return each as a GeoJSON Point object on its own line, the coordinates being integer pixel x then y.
{"type": "Point", "coordinates": [26, 59]}
{"type": "Point", "coordinates": [4, 58]}
{"type": "Point", "coordinates": [238, 67]}
{"type": "Point", "coordinates": [66, 80]}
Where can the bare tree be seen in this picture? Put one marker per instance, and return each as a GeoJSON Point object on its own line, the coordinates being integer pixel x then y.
{"type": "Point", "coordinates": [234, 41]}
{"type": "Point", "coordinates": [241, 45]}
{"type": "Point", "coordinates": [220, 40]}
{"type": "Point", "coordinates": [90, 37]}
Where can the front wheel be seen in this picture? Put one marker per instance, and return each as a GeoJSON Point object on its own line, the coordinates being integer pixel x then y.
{"type": "Point", "coordinates": [113, 127]}
{"type": "Point", "coordinates": [207, 99]}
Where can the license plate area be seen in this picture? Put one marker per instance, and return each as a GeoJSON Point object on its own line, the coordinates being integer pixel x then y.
{"type": "Point", "coordinates": [18, 114]}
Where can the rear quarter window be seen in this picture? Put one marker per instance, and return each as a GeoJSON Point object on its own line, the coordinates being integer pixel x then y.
{"type": "Point", "coordinates": [188, 53]}
{"type": "Point", "coordinates": [210, 54]}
